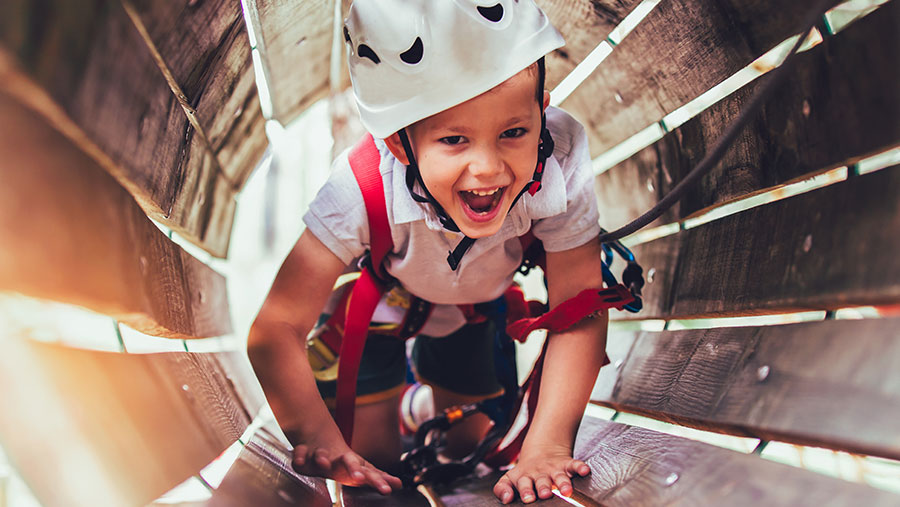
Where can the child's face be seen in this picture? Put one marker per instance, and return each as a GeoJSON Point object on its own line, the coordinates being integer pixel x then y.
{"type": "Point", "coordinates": [477, 156]}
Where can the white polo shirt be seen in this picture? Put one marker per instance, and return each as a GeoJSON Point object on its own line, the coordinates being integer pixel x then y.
{"type": "Point", "coordinates": [563, 215]}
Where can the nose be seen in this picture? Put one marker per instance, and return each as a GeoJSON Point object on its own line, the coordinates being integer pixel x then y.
{"type": "Point", "coordinates": [485, 161]}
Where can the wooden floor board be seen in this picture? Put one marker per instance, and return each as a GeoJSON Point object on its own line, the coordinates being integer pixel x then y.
{"type": "Point", "coordinates": [635, 466]}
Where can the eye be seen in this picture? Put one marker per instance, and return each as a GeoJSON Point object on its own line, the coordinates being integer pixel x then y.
{"type": "Point", "coordinates": [493, 14]}
{"type": "Point", "coordinates": [413, 55]}
{"type": "Point", "coordinates": [366, 52]}
{"type": "Point", "coordinates": [513, 133]}
{"type": "Point", "coordinates": [451, 140]}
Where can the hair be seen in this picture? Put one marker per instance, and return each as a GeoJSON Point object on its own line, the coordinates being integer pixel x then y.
{"type": "Point", "coordinates": [532, 70]}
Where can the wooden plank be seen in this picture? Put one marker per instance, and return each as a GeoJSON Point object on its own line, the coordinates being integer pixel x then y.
{"type": "Point", "coordinates": [837, 105]}
{"type": "Point", "coordinates": [262, 476]}
{"type": "Point", "coordinates": [294, 40]}
{"type": "Point", "coordinates": [826, 249]}
{"type": "Point", "coordinates": [71, 233]}
{"type": "Point", "coordinates": [121, 428]}
{"type": "Point", "coordinates": [205, 47]}
{"type": "Point", "coordinates": [478, 491]}
{"type": "Point", "coordinates": [584, 24]}
{"type": "Point", "coordinates": [680, 50]}
{"type": "Point", "coordinates": [833, 384]}
{"type": "Point", "coordinates": [107, 93]}
{"type": "Point", "coordinates": [636, 466]}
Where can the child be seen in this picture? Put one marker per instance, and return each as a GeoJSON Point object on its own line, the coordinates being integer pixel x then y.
{"type": "Point", "coordinates": [453, 93]}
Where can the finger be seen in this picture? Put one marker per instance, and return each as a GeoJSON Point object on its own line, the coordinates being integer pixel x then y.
{"type": "Point", "coordinates": [543, 485]}
{"type": "Point", "coordinates": [526, 489]}
{"type": "Point", "coordinates": [393, 482]}
{"type": "Point", "coordinates": [299, 458]}
{"type": "Point", "coordinates": [322, 459]}
{"type": "Point", "coordinates": [504, 490]}
{"type": "Point", "coordinates": [354, 468]}
{"type": "Point", "coordinates": [577, 467]}
{"type": "Point", "coordinates": [374, 479]}
{"type": "Point", "coordinates": [563, 484]}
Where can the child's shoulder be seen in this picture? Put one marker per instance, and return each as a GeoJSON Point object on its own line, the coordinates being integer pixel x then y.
{"type": "Point", "coordinates": [568, 133]}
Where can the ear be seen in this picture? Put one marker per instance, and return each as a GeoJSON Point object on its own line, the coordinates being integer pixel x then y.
{"type": "Point", "coordinates": [396, 146]}
{"type": "Point", "coordinates": [546, 99]}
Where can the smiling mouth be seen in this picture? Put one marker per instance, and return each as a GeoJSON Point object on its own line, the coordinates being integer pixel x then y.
{"type": "Point", "coordinates": [482, 202]}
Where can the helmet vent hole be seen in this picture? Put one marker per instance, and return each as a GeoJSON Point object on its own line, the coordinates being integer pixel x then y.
{"type": "Point", "coordinates": [492, 14]}
{"type": "Point", "coordinates": [366, 52]}
{"type": "Point", "coordinates": [346, 35]}
{"type": "Point", "coordinates": [413, 55]}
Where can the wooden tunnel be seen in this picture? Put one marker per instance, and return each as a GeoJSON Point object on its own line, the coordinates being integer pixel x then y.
{"type": "Point", "coordinates": [115, 114]}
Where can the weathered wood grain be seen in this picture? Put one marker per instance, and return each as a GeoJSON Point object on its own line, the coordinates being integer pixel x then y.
{"type": "Point", "coordinates": [294, 41]}
{"type": "Point", "coordinates": [120, 429]}
{"type": "Point", "coordinates": [584, 24]}
{"type": "Point", "coordinates": [680, 50]}
{"type": "Point", "coordinates": [71, 233]}
{"type": "Point", "coordinates": [205, 47]}
{"type": "Point", "coordinates": [826, 249]}
{"type": "Point", "coordinates": [478, 491]}
{"type": "Point", "coordinates": [837, 105]}
{"type": "Point", "coordinates": [262, 476]}
{"type": "Point", "coordinates": [833, 384]}
{"type": "Point", "coordinates": [111, 89]}
{"type": "Point", "coordinates": [636, 466]}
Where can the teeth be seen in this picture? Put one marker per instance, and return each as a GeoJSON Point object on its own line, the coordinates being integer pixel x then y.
{"type": "Point", "coordinates": [483, 193]}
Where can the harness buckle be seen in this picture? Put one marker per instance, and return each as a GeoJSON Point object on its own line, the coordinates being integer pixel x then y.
{"type": "Point", "coordinates": [322, 359]}
{"type": "Point", "coordinates": [381, 276]}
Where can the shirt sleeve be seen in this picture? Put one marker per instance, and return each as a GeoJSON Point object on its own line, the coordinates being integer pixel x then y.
{"type": "Point", "coordinates": [580, 222]}
{"type": "Point", "coordinates": [337, 215]}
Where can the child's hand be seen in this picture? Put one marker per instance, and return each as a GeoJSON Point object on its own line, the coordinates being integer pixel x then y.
{"type": "Point", "coordinates": [340, 463]}
{"type": "Point", "coordinates": [540, 470]}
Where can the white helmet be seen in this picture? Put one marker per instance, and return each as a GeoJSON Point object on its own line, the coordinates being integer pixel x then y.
{"type": "Point", "coordinates": [412, 59]}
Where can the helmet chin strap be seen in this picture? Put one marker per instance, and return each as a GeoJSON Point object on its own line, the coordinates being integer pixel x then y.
{"type": "Point", "coordinates": [413, 176]}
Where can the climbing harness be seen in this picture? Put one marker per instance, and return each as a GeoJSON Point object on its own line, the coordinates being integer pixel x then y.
{"type": "Point", "coordinates": [514, 317]}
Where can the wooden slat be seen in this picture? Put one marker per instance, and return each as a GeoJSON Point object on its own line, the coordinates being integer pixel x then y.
{"type": "Point", "coordinates": [829, 248]}
{"type": "Point", "coordinates": [636, 466]}
{"type": "Point", "coordinates": [108, 92]}
{"type": "Point", "coordinates": [680, 50]}
{"type": "Point", "coordinates": [837, 105]}
{"type": "Point", "coordinates": [262, 477]}
{"type": "Point", "coordinates": [477, 491]}
{"type": "Point", "coordinates": [584, 24]}
{"type": "Point", "coordinates": [206, 48]}
{"type": "Point", "coordinates": [294, 41]}
{"type": "Point", "coordinates": [833, 384]}
{"type": "Point", "coordinates": [99, 428]}
{"type": "Point", "coordinates": [71, 233]}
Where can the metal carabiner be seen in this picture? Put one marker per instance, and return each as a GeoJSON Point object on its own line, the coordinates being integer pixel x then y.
{"type": "Point", "coordinates": [632, 276]}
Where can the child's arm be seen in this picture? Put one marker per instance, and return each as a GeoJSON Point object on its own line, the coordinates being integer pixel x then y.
{"type": "Point", "coordinates": [277, 350]}
{"type": "Point", "coordinates": [573, 360]}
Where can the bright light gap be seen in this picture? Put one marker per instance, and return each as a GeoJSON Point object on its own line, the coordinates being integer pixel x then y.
{"type": "Point", "coordinates": [587, 66]}
{"type": "Point", "coordinates": [882, 160]}
{"type": "Point", "coordinates": [760, 66]}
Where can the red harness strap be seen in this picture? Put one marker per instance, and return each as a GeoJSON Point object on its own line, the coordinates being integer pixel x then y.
{"type": "Point", "coordinates": [368, 290]}
{"type": "Point", "coordinates": [564, 316]}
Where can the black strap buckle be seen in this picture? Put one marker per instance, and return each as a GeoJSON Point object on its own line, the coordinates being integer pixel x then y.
{"type": "Point", "coordinates": [386, 280]}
